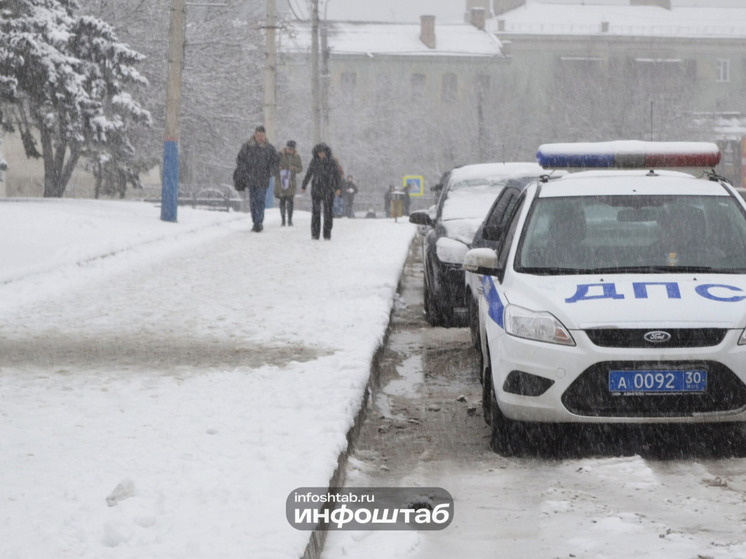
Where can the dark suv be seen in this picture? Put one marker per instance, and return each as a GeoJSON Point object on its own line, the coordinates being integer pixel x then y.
{"type": "Point", "coordinates": [467, 193]}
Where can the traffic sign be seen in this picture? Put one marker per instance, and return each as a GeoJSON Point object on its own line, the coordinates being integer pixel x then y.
{"type": "Point", "coordinates": [416, 184]}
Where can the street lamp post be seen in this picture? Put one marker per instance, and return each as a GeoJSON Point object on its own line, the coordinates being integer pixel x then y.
{"type": "Point", "coordinates": [315, 72]}
{"type": "Point", "coordinates": [270, 71]}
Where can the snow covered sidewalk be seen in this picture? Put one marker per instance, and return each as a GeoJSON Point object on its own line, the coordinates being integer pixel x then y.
{"type": "Point", "coordinates": [164, 387]}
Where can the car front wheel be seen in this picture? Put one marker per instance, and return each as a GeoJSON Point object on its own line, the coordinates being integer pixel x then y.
{"type": "Point", "coordinates": [473, 320]}
{"type": "Point", "coordinates": [505, 438]}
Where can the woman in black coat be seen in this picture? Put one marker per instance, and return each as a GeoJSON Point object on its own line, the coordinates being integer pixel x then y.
{"type": "Point", "coordinates": [325, 176]}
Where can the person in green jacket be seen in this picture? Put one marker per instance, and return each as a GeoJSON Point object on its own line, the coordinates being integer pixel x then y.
{"type": "Point", "coordinates": [290, 165]}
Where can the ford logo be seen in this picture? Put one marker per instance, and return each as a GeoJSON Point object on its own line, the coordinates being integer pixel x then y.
{"type": "Point", "coordinates": [657, 337]}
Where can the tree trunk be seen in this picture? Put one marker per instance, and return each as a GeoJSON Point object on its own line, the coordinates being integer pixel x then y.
{"type": "Point", "coordinates": [99, 180]}
{"type": "Point", "coordinates": [57, 171]}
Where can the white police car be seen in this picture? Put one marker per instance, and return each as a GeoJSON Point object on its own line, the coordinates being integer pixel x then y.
{"type": "Point", "coordinates": [616, 296]}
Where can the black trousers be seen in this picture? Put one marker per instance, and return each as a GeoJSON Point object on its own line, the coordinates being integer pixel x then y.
{"type": "Point", "coordinates": [327, 202]}
{"type": "Point", "coordinates": [286, 202]}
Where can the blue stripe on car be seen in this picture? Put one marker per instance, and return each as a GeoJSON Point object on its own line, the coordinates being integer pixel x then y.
{"type": "Point", "coordinates": [494, 305]}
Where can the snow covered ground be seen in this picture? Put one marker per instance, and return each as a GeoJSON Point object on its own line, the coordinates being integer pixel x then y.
{"type": "Point", "coordinates": [165, 386]}
{"type": "Point", "coordinates": [614, 507]}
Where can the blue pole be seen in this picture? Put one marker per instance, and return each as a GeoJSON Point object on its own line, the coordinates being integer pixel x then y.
{"type": "Point", "coordinates": [170, 178]}
{"type": "Point", "coordinates": [170, 183]}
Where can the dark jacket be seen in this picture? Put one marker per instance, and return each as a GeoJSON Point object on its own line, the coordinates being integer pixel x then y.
{"type": "Point", "coordinates": [255, 164]}
{"type": "Point", "coordinates": [324, 174]}
{"type": "Point", "coordinates": [349, 187]}
{"type": "Point", "coordinates": [289, 160]}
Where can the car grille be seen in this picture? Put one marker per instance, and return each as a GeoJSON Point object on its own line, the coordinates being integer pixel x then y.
{"type": "Point", "coordinates": [589, 395]}
{"type": "Point", "coordinates": [634, 337]}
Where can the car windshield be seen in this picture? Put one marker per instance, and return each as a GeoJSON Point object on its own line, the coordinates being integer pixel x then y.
{"type": "Point", "coordinates": [640, 234]}
{"type": "Point", "coordinates": [472, 198]}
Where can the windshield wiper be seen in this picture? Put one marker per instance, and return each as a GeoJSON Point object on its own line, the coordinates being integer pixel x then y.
{"type": "Point", "coordinates": [553, 271]}
{"type": "Point", "coordinates": [655, 269]}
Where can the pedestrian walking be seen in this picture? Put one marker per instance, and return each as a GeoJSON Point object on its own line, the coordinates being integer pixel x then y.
{"type": "Point", "coordinates": [387, 197]}
{"type": "Point", "coordinates": [349, 189]}
{"type": "Point", "coordinates": [255, 165]}
{"type": "Point", "coordinates": [407, 200]}
{"type": "Point", "coordinates": [289, 166]}
{"type": "Point", "coordinates": [325, 175]}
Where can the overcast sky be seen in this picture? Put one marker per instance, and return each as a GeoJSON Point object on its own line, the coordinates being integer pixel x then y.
{"type": "Point", "coordinates": [444, 10]}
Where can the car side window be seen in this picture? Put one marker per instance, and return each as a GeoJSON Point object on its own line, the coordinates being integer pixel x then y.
{"type": "Point", "coordinates": [499, 215]}
{"type": "Point", "coordinates": [512, 216]}
{"type": "Point", "coordinates": [441, 200]}
{"type": "Point", "coordinates": [509, 210]}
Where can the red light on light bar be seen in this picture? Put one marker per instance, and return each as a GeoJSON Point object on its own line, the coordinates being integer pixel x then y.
{"type": "Point", "coordinates": [654, 160]}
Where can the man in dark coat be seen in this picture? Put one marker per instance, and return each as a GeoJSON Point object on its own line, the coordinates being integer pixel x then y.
{"type": "Point", "coordinates": [325, 176]}
{"type": "Point", "coordinates": [255, 164]}
{"type": "Point", "coordinates": [349, 189]}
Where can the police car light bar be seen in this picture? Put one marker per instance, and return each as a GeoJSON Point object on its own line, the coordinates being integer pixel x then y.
{"type": "Point", "coordinates": [628, 154]}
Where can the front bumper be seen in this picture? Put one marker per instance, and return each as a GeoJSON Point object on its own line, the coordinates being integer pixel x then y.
{"type": "Point", "coordinates": [579, 391]}
{"type": "Point", "coordinates": [449, 288]}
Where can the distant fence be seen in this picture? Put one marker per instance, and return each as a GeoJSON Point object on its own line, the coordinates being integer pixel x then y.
{"type": "Point", "coordinates": [369, 200]}
{"type": "Point", "coordinates": [223, 197]}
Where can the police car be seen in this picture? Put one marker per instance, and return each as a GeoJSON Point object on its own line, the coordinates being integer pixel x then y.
{"type": "Point", "coordinates": [615, 296]}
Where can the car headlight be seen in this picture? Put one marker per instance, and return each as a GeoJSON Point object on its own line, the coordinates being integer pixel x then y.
{"type": "Point", "coordinates": [539, 326]}
{"type": "Point", "coordinates": [450, 251]}
{"type": "Point", "coordinates": [742, 339]}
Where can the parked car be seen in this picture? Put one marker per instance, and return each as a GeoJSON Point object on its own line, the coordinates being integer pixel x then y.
{"type": "Point", "coordinates": [615, 296]}
{"type": "Point", "coordinates": [467, 193]}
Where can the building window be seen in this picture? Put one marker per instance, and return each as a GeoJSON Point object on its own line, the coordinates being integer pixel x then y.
{"type": "Point", "coordinates": [722, 68]}
{"type": "Point", "coordinates": [418, 86]}
{"type": "Point", "coordinates": [665, 73]}
{"type": "Point", "coordinates": [449, 88]}
{"type": "Point", "coordinates": [347, 84]}
{"type": "Point", "coordinates": [384, 92]}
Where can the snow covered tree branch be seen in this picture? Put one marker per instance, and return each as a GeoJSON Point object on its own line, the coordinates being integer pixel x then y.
{"type": "Point", "coordinates": [66, 79]}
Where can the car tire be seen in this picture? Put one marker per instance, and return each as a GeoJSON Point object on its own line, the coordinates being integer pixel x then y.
{"type": "Point", "coordinates": [485, 377]}
{"type": "Point", "coordinates": [473, 320]}
{"type": "Point", "coordinates": [505, 437]}
{"type": "Point", "coordinates": [433, 313]}
{"type": "Point", "coordinates": [446, 317]}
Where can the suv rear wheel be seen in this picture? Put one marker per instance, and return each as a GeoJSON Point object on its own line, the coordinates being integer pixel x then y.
{"type": "Point", "coordinates": [433, 313]}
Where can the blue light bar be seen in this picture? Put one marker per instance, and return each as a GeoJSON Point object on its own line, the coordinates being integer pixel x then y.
{"type": "Point", "coordinates": [628, 154]}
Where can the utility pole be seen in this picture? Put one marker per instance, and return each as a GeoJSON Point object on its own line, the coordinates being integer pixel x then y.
{"type": "Point", "coordinates": [325, 79]}
{"type": "Point", "coordinates": [270, 72]}
{"type": "Point", "coordinates": [315, 72]}
{"type": "Point", "coordinates": [170, 178]}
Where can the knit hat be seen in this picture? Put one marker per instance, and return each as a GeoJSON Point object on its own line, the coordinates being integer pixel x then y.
{"type": "Point", "coordinates": [291, 144]}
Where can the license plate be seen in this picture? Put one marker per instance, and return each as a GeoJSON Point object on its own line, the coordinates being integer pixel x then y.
{"type": "Point", "coordinates": [658, 381]}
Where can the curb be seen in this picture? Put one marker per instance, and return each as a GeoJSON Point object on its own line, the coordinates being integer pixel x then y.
{"type": "Point", "coordinates": [315, 545]}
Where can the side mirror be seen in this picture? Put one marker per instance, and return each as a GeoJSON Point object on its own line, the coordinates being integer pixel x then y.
{"type": "Point", "coordinates": [481, 261]}
{"type": "Point", "coordinates": [421, 217]}
{"type": "Point", "coordinates": [492, 232]}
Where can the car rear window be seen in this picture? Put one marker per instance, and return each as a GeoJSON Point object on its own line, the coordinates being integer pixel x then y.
{"type": "Point", "coordinates": [472, 198]}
